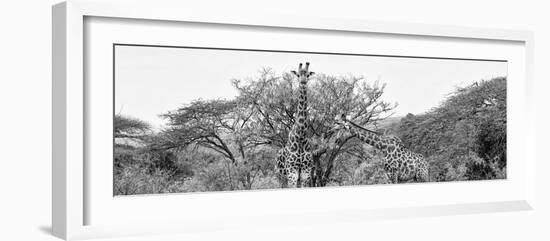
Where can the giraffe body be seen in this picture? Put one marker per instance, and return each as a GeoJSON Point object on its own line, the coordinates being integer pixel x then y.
{"type": "Point", "coordinates": [400, 164]}
{"type": "Point", "coordinates": [294, 161]}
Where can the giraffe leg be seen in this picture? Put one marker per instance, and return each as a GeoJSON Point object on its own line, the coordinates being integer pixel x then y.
{"type": "Point", "coordinates": [292, 179]}
{"type": "Point", "coordinates": [421, 174]}
{"type": "Point", "coordinates": [396, 178]}
{"type": "Point", "coordinates": [391, 173]}
{"type": "Point", "coordinates": [283, 180]}
{"type": "Point", "coordinates": [389, 177]}
{"type": "Point", "coordinates": [305, 175]}
{"type": "Point", "coordinates": [281, 167]}
{"type": "Point", "coordinates": [393, 177]}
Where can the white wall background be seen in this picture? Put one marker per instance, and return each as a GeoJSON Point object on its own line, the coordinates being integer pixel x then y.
{"type": "Point", "coordinates": [25, 99]}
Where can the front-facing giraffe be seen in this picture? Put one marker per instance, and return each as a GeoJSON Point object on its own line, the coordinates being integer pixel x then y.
{"type": "Point", "coordinates": [400, 164]}
{"type": "Point", "coordinates": [294, 161]}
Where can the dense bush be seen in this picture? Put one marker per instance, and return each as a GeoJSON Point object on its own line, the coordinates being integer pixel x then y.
{"type": "Point", "coordinates": [465, 137]}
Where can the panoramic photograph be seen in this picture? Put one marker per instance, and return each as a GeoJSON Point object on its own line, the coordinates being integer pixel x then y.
{"type": "Point", "coordinates": [191, 119]}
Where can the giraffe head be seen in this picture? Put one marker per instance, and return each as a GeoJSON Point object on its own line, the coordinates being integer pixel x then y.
{"type": "Point", "coordinates": [382, 142]}
{"type": "Point", "coordinates": [341, 122]}
{"type": "Point", "coordinates": [303, 74]}
{"type": "Point", "coordinates": [339, 125]}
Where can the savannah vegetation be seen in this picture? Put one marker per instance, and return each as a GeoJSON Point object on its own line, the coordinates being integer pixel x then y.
{"type": "Point", "coordinates": [231, 144]}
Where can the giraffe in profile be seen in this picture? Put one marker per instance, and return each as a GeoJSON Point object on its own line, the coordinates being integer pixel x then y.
{"type": "Point", "coordinates": [400, 164]}
{"type": "Point", "coordinates": [294, 161]}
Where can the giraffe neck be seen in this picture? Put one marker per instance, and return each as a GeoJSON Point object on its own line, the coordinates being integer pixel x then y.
{"type": "Point", "coordinates": [301, 116]}
{"type": "Point", "coordinates": [374, 139]}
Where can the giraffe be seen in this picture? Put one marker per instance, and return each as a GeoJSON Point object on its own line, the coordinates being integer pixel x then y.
{"type": "Point", "coordinates": [294, 160]}
{"type": "Point", "coordinates": [400, 164]}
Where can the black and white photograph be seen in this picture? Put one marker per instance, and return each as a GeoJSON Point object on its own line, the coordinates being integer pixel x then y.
{"type": "Point", "coordinates": [275, 120]}
{"type": "Point", "coordinates": [191, 119]}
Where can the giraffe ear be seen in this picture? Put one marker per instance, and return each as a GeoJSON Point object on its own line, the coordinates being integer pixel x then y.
{"type": "Point", "coordinates": [294, 72]}
{"type": "Point", "coordinates": [310, 74]}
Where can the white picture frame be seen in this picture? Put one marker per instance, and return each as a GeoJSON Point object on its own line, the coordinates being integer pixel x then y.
{"type": "Point", "coordinates": [72, 191]}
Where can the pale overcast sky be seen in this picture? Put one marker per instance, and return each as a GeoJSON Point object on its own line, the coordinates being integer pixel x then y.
{"type": "Point", "coordinates": [153, 80]}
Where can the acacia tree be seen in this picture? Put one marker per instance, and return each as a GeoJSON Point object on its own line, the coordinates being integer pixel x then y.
{"type": "Point", "coordinates": [128, 131]}
{"type": "Point", "coordinates": [271, 101]}
{"type": "Point", "coordinates": [248, 130]}
{"type": "Point", "coordinates": [129, 127]}
{"type": "Point", "coordinates": [220, 126]}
